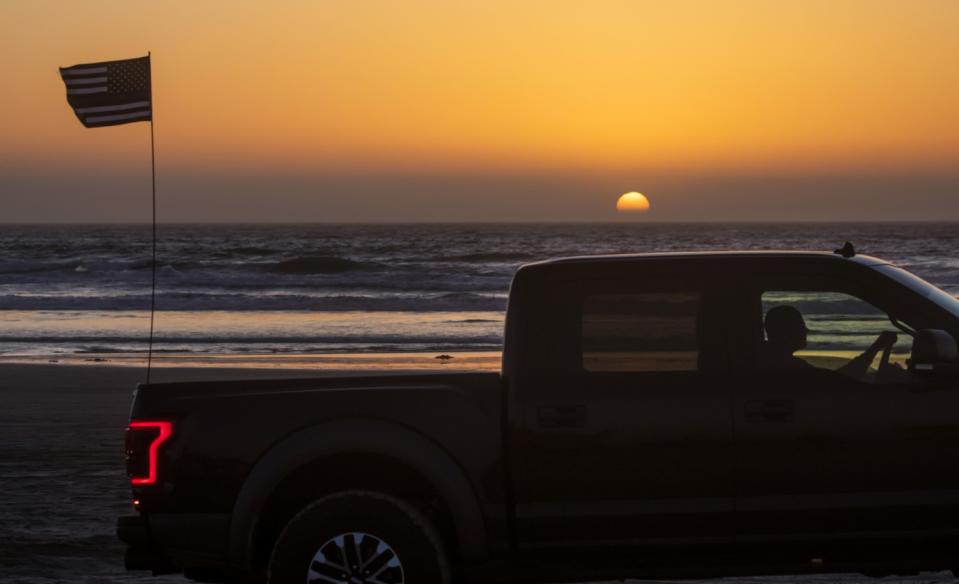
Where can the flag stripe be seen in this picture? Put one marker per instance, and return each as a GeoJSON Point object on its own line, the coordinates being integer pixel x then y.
{"type": "Point", "coordinates": [95, 119]}
{"type": "Point", "coordinates": [83, 71]}
{"type": "Point", "coordinates": [66, 76]}
{"type": "Point", "coordinates": [112, 108]}
{"type": "Point", "coordinates": [85, 80]}
{"type": "Point", "coordinates": [86, 90]}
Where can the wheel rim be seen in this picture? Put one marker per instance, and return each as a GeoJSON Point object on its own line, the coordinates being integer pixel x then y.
{"type": "Point", "coordinates": [355, 558]}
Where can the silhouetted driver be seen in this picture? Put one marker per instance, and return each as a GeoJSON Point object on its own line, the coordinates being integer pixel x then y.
{"type": "Point", "coordinates": [786, 333]}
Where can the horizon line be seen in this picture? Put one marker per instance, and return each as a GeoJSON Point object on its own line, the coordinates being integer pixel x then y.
{"type": "Point", "coordinates": [506, 222]}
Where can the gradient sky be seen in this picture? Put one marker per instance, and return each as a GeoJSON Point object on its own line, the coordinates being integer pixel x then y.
{"type": "Point", "coordinates": [487, 111]}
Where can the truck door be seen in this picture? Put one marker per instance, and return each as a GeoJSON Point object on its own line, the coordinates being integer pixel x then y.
{"type": "Point", "coordinates": [624, 431]}
{"type": "Point", "coordinates": [835, 441]}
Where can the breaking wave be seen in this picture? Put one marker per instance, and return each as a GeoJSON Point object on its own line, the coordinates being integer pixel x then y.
{"type": "Point", "coordinates": [317, 265]}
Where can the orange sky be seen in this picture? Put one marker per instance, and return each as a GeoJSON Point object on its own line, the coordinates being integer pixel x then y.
{"type": "Point", "coordinates": [613, 90]}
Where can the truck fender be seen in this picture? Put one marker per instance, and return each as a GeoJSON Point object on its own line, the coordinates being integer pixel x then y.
{"type": "Point", "coordinates": [367, 436]}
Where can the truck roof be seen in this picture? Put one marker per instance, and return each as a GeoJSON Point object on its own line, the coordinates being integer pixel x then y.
{"type": "Point", "coordinates": [744, 255]}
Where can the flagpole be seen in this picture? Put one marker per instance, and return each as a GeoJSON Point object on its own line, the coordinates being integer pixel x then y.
{"type": "Point", "coordinates": [111, 93]}
{"type": "Point", "coordinates": [153, 182]}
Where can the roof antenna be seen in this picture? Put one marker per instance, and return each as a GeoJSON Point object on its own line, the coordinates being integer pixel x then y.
{"type": "Point", "coordinates": [846, 251]}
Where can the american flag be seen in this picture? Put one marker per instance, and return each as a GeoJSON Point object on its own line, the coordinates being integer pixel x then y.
{"type": "Point", "coordinates": [109, 93]}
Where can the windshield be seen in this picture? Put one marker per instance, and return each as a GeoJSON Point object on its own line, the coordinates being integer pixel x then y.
{"type": "Point", "coordinates": [942, 298]}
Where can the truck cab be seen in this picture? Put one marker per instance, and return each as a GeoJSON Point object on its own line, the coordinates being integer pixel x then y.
{"type": "Point", "coordinates": [649, 412]}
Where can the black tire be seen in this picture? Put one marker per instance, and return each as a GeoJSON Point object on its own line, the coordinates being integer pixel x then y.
{"type": "Point", "coordinates": [366, 519]}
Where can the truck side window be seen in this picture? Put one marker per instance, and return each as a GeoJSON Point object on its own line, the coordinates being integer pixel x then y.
{"type": "Point", "coordinates": [840, 334]}
{"type": "Point", "coordinates": [637, 332]}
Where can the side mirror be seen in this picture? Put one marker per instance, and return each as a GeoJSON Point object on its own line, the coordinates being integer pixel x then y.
{"type": "Point", "coordinates": [934, 350]}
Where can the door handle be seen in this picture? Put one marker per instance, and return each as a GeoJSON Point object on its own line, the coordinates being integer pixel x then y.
{"type": "Point", "coordinates": [561, 416]}
{"type": "Point", "coordinates": [775, 410]}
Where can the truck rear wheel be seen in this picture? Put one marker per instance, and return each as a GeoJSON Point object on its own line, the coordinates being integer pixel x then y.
{"type": "Point", "coordinates": [359, 537]}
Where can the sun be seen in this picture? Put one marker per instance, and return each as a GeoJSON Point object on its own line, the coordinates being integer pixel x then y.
{"type": "Point", "coordinates": [632, 203]}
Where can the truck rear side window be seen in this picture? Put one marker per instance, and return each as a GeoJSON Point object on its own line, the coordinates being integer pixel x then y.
{"type": "Point", "coordinates": [639, 332]}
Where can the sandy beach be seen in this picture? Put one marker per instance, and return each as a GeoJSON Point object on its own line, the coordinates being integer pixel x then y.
{"type": "Point", "coordinates": [62, 481]}
{"type": "Point", "coordinates": [61, 472]}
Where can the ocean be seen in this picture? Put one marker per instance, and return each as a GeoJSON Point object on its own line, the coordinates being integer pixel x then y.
{"type": "Point", "coordinates": [330, 288]}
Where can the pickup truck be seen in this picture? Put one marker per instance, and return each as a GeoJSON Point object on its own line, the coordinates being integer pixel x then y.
{"type": "Point", "coordinates": [687, 414]}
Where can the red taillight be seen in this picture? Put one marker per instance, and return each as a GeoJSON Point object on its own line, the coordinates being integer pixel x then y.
{"type": "Point", "coordinates": [143, 441]}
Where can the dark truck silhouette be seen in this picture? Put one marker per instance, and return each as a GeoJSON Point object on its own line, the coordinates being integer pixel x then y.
{"type": "Point", "coordinates": [637, 429]}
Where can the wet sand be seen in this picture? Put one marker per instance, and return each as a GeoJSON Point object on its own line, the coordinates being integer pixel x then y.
{"type": "Point", "coordinates": [62, 481]}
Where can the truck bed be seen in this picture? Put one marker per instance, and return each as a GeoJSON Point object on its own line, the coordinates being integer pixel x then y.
{"type": "Point", "coordinates": [236, 444]}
